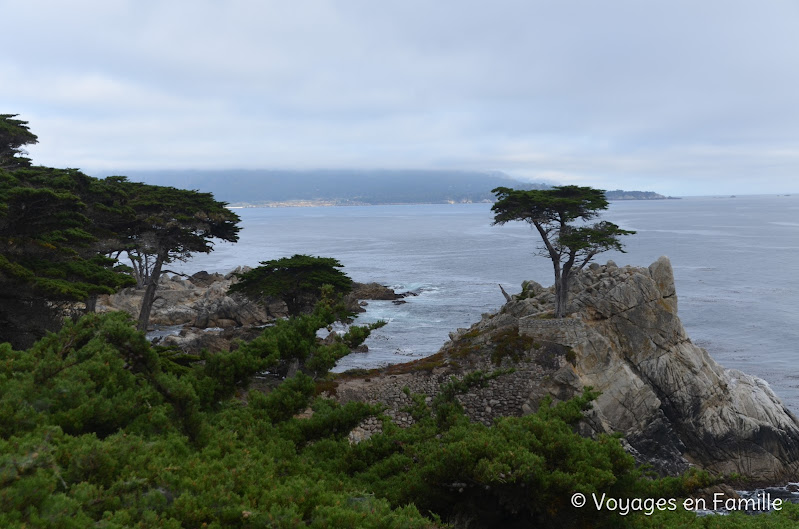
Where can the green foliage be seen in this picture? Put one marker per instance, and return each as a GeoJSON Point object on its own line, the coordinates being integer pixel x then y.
{"type": "Point", "coordinates": [510, 344]}
{"type": "Point", "coordinates": [155, 225]}
{"type": "Point", "coordinates": [297, 280]}
{"type": "Point", "coordinates": [181, 221]}
{"type": "Point", "coordinates": [94, 430]}
{"type": "Point", "coordinates": [96, 376]}
{"type": "Point", "coordinates": [45, 229]}
{"type": "Point", "coordinates": [356, 334]}
{"type": "Point", "coordinates": [14, 133]}
{"type": "Point", "coordinates": [51, 237]}
{"type": "Point", "coordinates": [559, 204]}
{"type": "Point", "coordinates": [288, 343]}
{"type": "Point", "coordinates": [520, 472]}
{"type": "Point", "coordinates": [58, 228]}
{"type": "Point", "coordinates": [98, 428]}
{"type": "Point", "coordinates": [49, 250]}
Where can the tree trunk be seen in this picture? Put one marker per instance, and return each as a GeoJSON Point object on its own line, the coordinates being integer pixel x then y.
{"type": "Point", "coordinates": [561, 296]}
{"type": "Point", "coordinates": [560, 306]}
{"type": "Point", "coordinates": [562, 289]}
{"type": "Point", "coordinates": [91, 303]}
{"type": "Point", "coordinates": [149, 293]}
{"type": "Point", "coordinates": [139, 269]}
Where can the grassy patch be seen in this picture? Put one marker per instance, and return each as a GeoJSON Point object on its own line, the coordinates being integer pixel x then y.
{"type": "Point", "coordinates": [331, 381]}
{"type": "Point", "coordinates": [510, 344]}
{"type": "Point", "coordinates": [427, 364]}
{"type": "Point", "coordinates": [464, 350]}
{"type": "Point", "coordinates": [474, 333]}
{"type": "Point", "coordinates": [326, 386]}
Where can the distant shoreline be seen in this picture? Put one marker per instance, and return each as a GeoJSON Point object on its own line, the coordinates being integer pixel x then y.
{"type": "Point", "coordinates": [330, 203]}
{"type": "Point", "coordinates": [344, 203]}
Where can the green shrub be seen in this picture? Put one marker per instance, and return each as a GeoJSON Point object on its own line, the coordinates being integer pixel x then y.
{"type": "Point", "coordinates": [99, 429]}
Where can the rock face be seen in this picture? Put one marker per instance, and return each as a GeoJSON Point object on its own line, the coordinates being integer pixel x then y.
{"type": "Point", "coordinates": [674, 405]}
{"type": "Point", "coordinates": [199, 301]}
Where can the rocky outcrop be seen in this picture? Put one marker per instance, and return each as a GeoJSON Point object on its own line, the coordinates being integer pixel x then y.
{"type": "Point", "coordinates": [211, 318]}
{"type": "Point", "coordinates": [199, 301]}
{"type": "Point", "coordinates": [372, 291]}
{"type": "Point", "coordinates": [202, 301]}
{"type": "Point", "coordinates": [674, 405]}
{"type": "Point", "coordinates": [672, 401]}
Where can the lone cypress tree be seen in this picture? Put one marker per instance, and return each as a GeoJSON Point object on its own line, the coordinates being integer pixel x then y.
{"type": "Point", "coordinates": [553, 212]}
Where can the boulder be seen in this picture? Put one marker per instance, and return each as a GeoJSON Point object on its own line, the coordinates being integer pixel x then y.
{"type": "Point", "coordinates": [204, 279]}
{"type": "Point", "coordinates": [372, 291]}
{"type": "Point", "coordinates": [218, 309]}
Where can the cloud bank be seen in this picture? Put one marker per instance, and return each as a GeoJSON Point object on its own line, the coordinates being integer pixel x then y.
{"type": "Point", "coordinates": [680, 97]}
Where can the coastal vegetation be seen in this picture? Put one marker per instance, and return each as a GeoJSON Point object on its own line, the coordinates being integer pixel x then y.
{"type": "Point", "coordinates": [295, 280]}
{"type": "Point", "coordinates": [98, 427]}
{"type": "Point", "coordinates": [53, 224]}
{"type": "Point", "coordinates": [14, 134]}
{"type": "Point", "coordinates": [63, 232]}
{"type": "Point", "coordinates": [553, 212]}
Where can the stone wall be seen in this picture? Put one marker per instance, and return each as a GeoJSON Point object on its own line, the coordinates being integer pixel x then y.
{"type": "Point", "coordinates": [508, 395]}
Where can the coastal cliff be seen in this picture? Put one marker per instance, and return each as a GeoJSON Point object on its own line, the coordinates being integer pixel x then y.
{"type": "Point", "coordinates": [674, 405]}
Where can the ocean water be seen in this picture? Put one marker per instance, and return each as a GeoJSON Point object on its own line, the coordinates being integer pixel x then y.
{"type": "Point", "coordinates": [735, 260]}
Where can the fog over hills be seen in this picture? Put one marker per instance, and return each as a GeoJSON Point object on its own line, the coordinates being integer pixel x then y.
{"type": "Point", "coordinates": [336, 186]}
{"type": "Point", "coordinates": [265, 187]}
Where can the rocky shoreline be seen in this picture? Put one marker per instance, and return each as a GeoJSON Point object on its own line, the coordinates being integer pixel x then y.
{"type": "Point", "coordinates": [200, 314]}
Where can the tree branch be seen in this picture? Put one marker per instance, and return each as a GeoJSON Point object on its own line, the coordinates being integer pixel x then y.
{"type": "Point", "coordinates": [507, 297]}
{"type": "Point", "coordinates": [165, 271]}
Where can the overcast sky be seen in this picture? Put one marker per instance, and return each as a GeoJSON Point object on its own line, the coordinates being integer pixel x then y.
{"type": "Point", "coordinates": [681, 97]}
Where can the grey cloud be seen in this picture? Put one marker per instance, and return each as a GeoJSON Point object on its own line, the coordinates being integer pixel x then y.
{"type": "Point", "coordinates": [679, 95]}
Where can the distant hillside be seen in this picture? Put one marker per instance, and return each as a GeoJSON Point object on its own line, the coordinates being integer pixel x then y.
{"type": "Point", "coordinates": [618, 194]}
{"type": "Point", "coordinates": [264, 187]}
{"type": "Point", "coordinates": [339, 187]}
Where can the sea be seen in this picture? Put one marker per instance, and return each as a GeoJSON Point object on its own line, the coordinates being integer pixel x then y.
{"type": "Point", "coordinates": [735, 260]}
